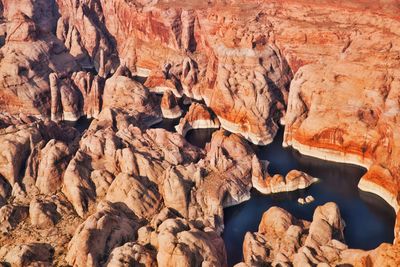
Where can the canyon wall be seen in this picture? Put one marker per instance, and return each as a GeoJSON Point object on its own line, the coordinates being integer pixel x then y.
{"type": "Point", "coordinates": [327, 70]}
{"type": "Point", "coordinates": [343, 103]}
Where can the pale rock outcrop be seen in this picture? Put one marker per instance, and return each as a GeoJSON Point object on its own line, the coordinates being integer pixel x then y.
{"type": "Point", "coordinates": [17, 144]}
{"type": "Point", "coordinates": [169, 106]}
{"type": "Point", "coordinates": [91, 88]}
{"type": "Point", "coordinates": [43, 214]}
{"type": "Point", "coordinates": [56, 108]}
{"type": "Point", "coordinates": [86, 38]}
{"type": "Point", "coordinates": [121, 91]}
{"type": "Point", "coordinates": [97, 151]}
{"type": "Point", "coordinates": [139, 195]}
{"type": "Point", "coordinates": [177, 187]}
{"type": "Point", "coordinates": [173, 147]}
{"type": "Point", "coordinates": [77, 186]}
{"type": "Point", "coordinates": [32, 254]}
{"type": "Point", "coordinates": [11, 216]}
{"type": "Point", "coordinates": [102, 67]}
{"type": "Point", "coordinates": [55, 157]}
{"type": "Point", "coordinates": [223, 178]}
{"type": "Point", "coordinates": [102, 180]}
{"type": "Point", "coordinates": [180, 243]}
{"type": "Point", "coordinates": [305, 200]}
{"type": "Point", "coordinates": [31, 53]}
{"type": "Point", "coordinates": [109, 227]}
{"type": "Point", "coordinates": [132, 254]}
{"type": "Point", "coordinates": [283, 240]}
{"type": "Point", "coordinates": [267, 184]}
{"type": "Point", "coordinates": [71, 101]}
{"type": "Point", "coordinates": [74, 97]}
{"type": "Point", "coordinates": [106, 152]}
{"type": "Point", "coordinates": [326, 225]}
{"type": "Point", "coordinates": [198, 117]}
{"type": "Point", "coordinates": [20, 195]}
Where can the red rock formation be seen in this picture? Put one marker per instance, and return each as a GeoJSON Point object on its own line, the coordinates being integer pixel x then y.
{"type": "Point", "coordinates": [284, 240]}
{"type": "Point", "coordinates": [121, 91]}
{"type": "Point", "coordinates": [228, 59]}
{"type": "Point", "coordinates": [198, 117]}
{"type": "Point", "coordinates": [335, 113]}
{"type": "Point", "coordinates": [169, 106]}
{"type": "Point", "coordinates": [267, 184]}
{"type": "Point", "coordinates": [29, 55]}
{"type": "Point", "coordinates": [236, 56]}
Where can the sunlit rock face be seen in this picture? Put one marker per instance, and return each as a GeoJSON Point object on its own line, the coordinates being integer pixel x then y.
{"type": "Point", "coordinates": [197, 117]}
{"type": "Point", "coordinates": [235, 66]}
{"type": "Point", "coordinates": [348, 118]}
{"type": "Point", "coordinates": [285, 240]}
{"type": "Point", "coordinates": [343, 105]}
{"type": "Point", "coordinates": [119, 191]}
{"type": "Point", "coordinates": [29, 55]}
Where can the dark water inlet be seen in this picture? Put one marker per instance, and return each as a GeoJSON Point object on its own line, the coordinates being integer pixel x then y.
{"type": "Point", "coordinates": [81, 125]}
{"type": "Point", "coordinates": [199, 137]}
{"type": "Point", "coordinates": [167, 124]}
{"type": "Point", "coordinates": [369, 219]}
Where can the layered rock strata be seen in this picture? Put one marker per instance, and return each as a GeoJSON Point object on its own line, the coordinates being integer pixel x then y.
{"type": "Point", "coordinates": [63, 59]}
{"type": "Point", "coordinates": [198, 117]}
{"type": "Point", "coordinates": [201, 60]}
{"type": "Point", "coordinates": [267, 184]}
{"type": "Point", "coordinates": [169, 106]}
{"type": "Point", "coordinates": [315, 126]}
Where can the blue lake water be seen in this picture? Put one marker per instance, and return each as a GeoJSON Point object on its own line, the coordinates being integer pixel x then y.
{"type": "Point", "coordinates": [369, 219]}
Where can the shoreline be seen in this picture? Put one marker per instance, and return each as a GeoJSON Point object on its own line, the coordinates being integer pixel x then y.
{"type": "Point", "coordinates": [195, 125]}
{"type": "Point", "coordinates": [347, 158]}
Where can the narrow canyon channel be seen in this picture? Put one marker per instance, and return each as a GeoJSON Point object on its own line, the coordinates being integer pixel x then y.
{"type": "Point", "coordinates": [369, 219]}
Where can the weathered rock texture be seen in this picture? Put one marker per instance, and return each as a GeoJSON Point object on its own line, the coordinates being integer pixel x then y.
{"type": "Point", "coordinates": [169, 106]}
{"type": "Point", "coordinates": [31, 52]}
{"type": "Point", "coordinates": [343, 102]}
{"type": "Point", "coordinates": [62, 59]}
{"type": "Point", "coordinates": [267, 184]}
{"type": "Point", "coordinates": [33, 254]}
{"type": "Point", "coordinates": [283, 240]}
{"type": "Point", "coordinates": [198, 117]}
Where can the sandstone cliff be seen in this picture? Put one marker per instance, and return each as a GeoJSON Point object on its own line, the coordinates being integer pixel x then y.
{"type": "Point", "coordinates": [327, 70]}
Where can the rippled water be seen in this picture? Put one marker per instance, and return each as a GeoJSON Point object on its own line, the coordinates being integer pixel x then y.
{"type": "Point", "coordinates": [369, 219]}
